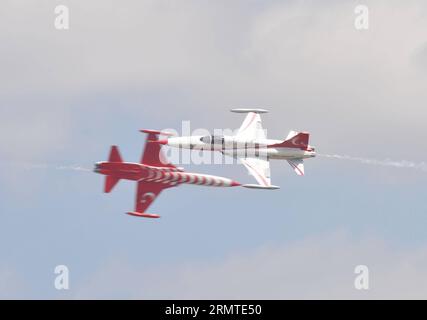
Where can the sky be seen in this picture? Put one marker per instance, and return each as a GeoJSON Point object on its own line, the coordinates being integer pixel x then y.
{"type": "Point", "coordinates": [67, 95]}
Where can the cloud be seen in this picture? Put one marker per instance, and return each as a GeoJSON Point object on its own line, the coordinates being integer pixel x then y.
{"type": "Point", "coordinates": [320, 267]}
{"type": "Point", "coordinates": [305, 60]}
{"type": "Point", "coordinates": [66, 93]}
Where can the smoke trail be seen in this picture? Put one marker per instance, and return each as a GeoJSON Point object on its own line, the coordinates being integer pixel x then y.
{"type": "Point", "coordinates": [387, 162]}
{"type": "Point", "coordinates": [74, 168]}
{"type": "Point", "coordinates": [29, 166]}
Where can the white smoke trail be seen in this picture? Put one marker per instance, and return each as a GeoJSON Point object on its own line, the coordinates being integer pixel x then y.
{"type": "Point", "coordinates": [28, 166]}
{"type": "Point", "coordinates": [74, 168]}
{"type": "Point", "coordinates": [387, 162]}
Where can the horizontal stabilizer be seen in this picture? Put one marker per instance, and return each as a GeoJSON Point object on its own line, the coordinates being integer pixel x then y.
{"type": "Point", "coordinates": [110, 183]}
{"type": "Point", "coordinates": [298, 166]}
{"type": "Point", "coordinates": [258, 186]}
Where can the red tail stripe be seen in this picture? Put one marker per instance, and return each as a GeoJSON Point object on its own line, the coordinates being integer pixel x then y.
{"type": "Point", "coordinates": [298, 141]}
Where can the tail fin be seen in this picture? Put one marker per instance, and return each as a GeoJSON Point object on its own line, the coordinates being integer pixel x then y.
{"type": "Point", "coordinates": [111, 181]}
{"type": "Point", "coordinates": [294, 140]}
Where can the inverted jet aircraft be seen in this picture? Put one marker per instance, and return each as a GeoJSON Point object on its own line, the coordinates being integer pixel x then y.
{"type": "Point", "coordinates": [251, 146]}
{"type": "Point", "coordinates": [153, 174]}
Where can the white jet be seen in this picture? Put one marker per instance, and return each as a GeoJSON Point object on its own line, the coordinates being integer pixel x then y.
{"type": "Point", "coordinates": [251, 146]}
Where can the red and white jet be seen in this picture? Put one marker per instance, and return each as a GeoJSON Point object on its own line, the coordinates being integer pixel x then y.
{"type": "Point", "coordinates": [153, 174]}
{"type": "Point", "coordinates": [251, 146]}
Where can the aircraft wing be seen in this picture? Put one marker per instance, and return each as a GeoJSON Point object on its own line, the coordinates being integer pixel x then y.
{"type": "Point", "coordinates": [259, 168]}
{"type": "Point", "coordinates": [153, 154]}
{"type": "Point", "coordinates": [146, 193]}
{"type": "Point", "coordinates": [251, 128]}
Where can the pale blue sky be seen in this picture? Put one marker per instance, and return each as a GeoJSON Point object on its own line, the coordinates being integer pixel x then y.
{"type": "Point", "coordinates": [68, 95]}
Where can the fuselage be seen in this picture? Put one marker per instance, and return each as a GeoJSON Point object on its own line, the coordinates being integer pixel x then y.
{"type": "Point", "coordinates": [169, 176]}
{"type": "Point", "coordinates": [232, 146]}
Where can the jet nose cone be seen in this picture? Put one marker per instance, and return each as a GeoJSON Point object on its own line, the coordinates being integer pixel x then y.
{"type": "Point", "coordinates": [235, 184]}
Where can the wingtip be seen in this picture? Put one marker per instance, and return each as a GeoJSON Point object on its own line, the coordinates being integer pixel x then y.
{"type": "Point", "coordinates": [247, 110]}
{"type": "Point", "coordinates": [143, 215]}
{"type": "Point", "coordinates": [258, 186]}
{"type": "Point", "coordinates": [164, 133]}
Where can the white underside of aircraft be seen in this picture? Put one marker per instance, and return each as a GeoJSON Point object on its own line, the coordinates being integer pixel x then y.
{"type": "Point", "coordinates": [252, 148]}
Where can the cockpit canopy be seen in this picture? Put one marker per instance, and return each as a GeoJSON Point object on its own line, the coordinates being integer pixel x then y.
{"type": "Point", "coordinates": [212, 139]}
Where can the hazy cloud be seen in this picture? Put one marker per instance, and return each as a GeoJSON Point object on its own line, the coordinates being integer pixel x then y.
{"type": "Point", "coordinates": [304, 60]}
{"type": "Point", "coordinates": [320, 267]}
{"type": "Point", "coordinates": [66, 95]}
